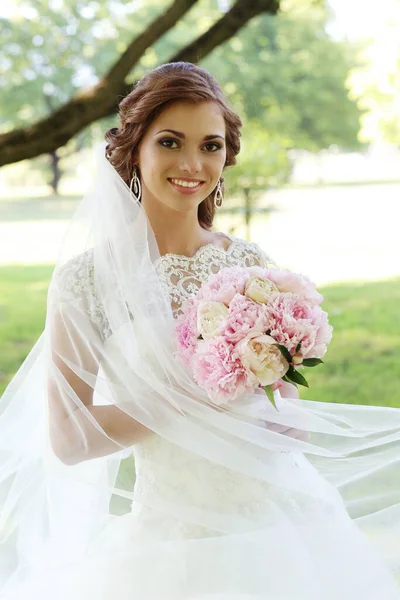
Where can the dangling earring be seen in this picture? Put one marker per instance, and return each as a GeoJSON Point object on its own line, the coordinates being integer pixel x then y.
{"type": "Point", "coordinates": [135, 183]}
{"type": "Point", "coordinates": [218, 197]}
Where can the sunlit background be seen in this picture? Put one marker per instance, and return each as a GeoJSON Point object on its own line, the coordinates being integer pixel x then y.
{"type": "Point", "coordinates": [317, 184]}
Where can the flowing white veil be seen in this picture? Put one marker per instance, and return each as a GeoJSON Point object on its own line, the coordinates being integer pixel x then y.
{"type": "Point", "coordinates": [104, 376]}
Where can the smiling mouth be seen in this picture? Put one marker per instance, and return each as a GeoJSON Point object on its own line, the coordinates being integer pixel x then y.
{"type": "Point", "coordinates": [186, 183]}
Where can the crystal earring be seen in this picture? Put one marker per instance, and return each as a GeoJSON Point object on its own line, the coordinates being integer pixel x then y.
{"type": "Point", "coordinates": [135, 183]}
{"type": "Point", "coordinates": [218, 197]}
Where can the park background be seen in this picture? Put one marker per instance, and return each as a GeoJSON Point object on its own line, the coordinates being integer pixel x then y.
{"type": "Point", "coordinates": [317, 182]}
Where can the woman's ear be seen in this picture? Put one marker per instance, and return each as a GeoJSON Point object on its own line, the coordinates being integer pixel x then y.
{"type": "Point", "coordinates": [136, 156]}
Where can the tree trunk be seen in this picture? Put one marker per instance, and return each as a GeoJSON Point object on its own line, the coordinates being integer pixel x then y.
{"type": "Point", "coordinates": [102, 99]}
{"type": "Point", "coordinates": [247, 213]}
{"type": "Point", "coordinates": [54, 159]}
{"type": "Point", "coordinates": [56, 172]}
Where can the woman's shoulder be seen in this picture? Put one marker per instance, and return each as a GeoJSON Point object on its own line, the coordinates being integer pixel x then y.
{"type": "Point", "coordinates": [73, 279]}
{"type": "Point", "coordinates": [248, 249]}
{"type": "Point", "coordinates": [73, 284]}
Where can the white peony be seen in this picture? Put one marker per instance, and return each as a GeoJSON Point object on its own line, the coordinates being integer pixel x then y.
{"type": "Point", "coordinates": [259, 354]}
{"type": "Point", "coordinates": [211, 318]}
{"type": "Point", "coordinates": [260, 289]}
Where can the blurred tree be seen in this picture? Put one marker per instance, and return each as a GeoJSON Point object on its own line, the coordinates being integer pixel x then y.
{"type": "Point", "coordinates": [99, 99]}
{"type": "Point", "coordinates": [284, 75]}
{"type": "Point", "coordinates": [375, 83]}
{"type": "Point", "coordinates": [85, 41]}
{"type": "Point", "coordinates": [262, 161]}
{"type": "Point", "coordinates": [288, 77]}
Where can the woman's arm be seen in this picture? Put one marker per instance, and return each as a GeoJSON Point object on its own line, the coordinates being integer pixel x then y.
{"type": "Point", "coordinates": [288, 390]}
{"type": "Point", "coordinates": [118, 425]}
{"type": "Point", "coordinates": [74, 436]}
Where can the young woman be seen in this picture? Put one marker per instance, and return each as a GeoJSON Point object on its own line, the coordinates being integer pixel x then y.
{"type": "Point", "coordinates": [119, 477]}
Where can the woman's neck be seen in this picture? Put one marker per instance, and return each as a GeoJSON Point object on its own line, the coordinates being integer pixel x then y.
{"type": "Point", "coordinates": [178, 233]}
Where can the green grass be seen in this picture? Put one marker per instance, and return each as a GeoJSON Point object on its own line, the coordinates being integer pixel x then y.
{"type": "Point", "coordinates": [23, 291]}
{"type": "Point", "coordinates": [362, 364]}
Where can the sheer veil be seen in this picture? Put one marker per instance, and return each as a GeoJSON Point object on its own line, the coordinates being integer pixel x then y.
{"type": "Point", "coordinates": [109, 344]}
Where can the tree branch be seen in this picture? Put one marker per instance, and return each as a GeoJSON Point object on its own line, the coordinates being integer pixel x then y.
{"type": "Point", "coordinates": [90, 105]}
{"type": "Point", "coordinates": [138, 47]}
{"type": "Point", "coordinates": [101, 101]}
{"type": "Point", "coordinates": [241, 12]}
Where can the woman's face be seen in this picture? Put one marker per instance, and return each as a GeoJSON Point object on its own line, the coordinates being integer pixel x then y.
{"type": "Point", "coordinates": [182, 155]}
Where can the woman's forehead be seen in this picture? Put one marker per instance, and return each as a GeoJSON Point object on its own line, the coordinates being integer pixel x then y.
{"type": "Point", "coordinates": [192, 117]}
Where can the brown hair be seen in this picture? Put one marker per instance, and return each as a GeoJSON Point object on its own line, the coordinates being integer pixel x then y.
{"type": "Point", "coordinates": [163, 85]}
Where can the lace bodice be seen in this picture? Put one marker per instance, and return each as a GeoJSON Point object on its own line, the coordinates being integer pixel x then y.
{"type": "Point", "coordinates": [181, 276]}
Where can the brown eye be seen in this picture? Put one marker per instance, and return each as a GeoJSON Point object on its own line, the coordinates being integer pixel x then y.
{"type": "Point", "coordinates": [167, 142]}
{"type": "Point", "coordinates": [213, 145]}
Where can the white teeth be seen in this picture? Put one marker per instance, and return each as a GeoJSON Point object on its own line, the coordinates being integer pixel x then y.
{"type": "Point", "coordinates": [186, 183]}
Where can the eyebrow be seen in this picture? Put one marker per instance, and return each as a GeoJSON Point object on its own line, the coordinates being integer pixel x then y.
{"type": "Point", "coordinates": [181, 135]}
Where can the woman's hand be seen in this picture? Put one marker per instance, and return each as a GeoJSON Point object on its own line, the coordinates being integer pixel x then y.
{"type": "Point", "coordinates": [297, 434]}
{"type": "Point", "coordinates": [290, 391]}
{"type": "Point", "coordinates": [277, 384]}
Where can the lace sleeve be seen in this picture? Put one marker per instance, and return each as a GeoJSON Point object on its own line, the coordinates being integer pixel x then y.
{"type": "Point", "coordinates": [265, 261]}
{"type": "Point", "coordinates": [73, 280]}
{"type": "Point", "coordinates": [73, 283]}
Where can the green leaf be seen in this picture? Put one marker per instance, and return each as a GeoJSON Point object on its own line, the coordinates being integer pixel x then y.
{"type": "Point", "coordinates": [285, 352]}
{"type": "Point", "coordinates": [312, 362]}
{"type": "Point", "coordinates": [297, 377]}
{"type": "Point", "coordinates": [200, 337]}
{"type": "Point", "coordinates": [270, 393]}
{"type": "Point", "coordinates": [298, 347]}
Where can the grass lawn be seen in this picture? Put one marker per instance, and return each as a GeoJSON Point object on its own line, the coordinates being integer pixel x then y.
{"type": "Point", "coordinates": [23, 292]}
{"type": "Point", "coordinates": [362, 364]}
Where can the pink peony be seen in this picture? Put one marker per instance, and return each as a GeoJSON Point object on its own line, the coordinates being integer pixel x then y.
{"type": "Point", "coordinates": [218, 370]}
{"type": "Point", "coordinates": [296, 283]}
{"type": "Point", "coordinates": [324, 333]}
{"type": "Point", "coordinates": [244, 315]}
{"type": "Point", "coordinates": [224, 285]}
{"type": "Point", "coordinates": [186, 329]}
{"type": "Point", "coordinates": [292, 320]}
{"type": "Point", "coordinates": [257, 271]}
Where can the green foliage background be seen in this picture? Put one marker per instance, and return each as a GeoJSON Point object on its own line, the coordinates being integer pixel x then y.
{"type": "Point", "coordinates": [284, 75]}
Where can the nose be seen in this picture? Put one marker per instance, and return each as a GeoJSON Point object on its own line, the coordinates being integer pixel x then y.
{"type": "Point", "coordinates": [190, 163]}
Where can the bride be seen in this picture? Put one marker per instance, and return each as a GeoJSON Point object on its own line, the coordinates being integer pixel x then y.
{"type": "Point", "coordinates": [119, 478]}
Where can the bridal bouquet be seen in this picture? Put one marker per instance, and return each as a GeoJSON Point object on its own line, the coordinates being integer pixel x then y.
{"type": "Point", "coordinates": [248, 328]}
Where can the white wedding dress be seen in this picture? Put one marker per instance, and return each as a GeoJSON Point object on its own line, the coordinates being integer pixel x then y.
{"type": "Point", "coordinates": [248, 540]}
